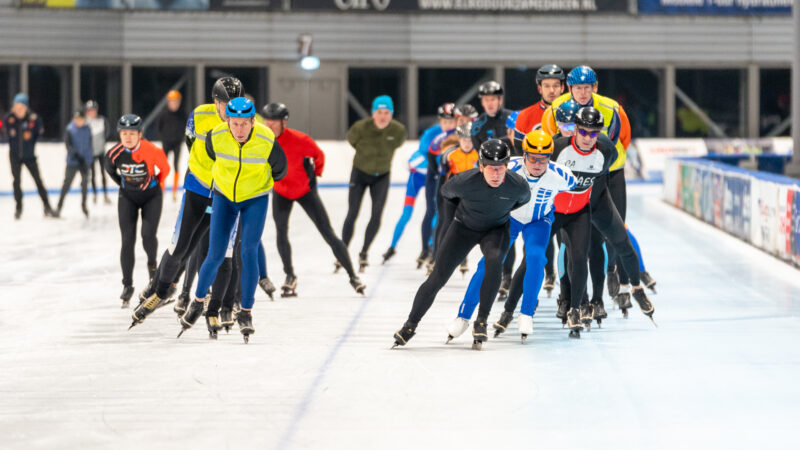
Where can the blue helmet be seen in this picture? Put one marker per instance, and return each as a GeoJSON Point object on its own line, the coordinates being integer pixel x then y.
{"type": "Point", "coordinates": [240, 107]}
{"type": "Point", "coordinates": [581, 75]}
{"type": "Point", "coordinates": [511, 120]}
{"type": "Point", "coordinates": [566, 111]}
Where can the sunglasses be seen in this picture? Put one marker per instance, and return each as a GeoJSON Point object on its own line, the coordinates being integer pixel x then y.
{"type": "Point", "coordinates": [566, 126]}
{"type": "Point", "coordinates": [537, 159]}
{"type": "Point", "coordinates": [588, 133]}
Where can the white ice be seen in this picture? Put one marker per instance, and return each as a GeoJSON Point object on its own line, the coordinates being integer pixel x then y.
{"type": "Point", "coordinates": [720, 371]}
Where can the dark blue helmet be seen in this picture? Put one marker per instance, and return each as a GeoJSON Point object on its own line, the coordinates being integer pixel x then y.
{"type": "Point", "coordinates": [129, 122]}
{"type": "Point", "coordinates": [566, 111]}
{"type": "Point", "coordinates": [581, 75]}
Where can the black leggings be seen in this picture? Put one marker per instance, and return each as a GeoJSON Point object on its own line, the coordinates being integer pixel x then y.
{"type": "Point", "coordinates": [312, 205]}
{"type": "Point", "coordinates": [129, 205]}
{"type": "Point", "coordinates": [98, 161]}
{"type": "Point", "coordinates": [16, 174]}
{"type": "Point", "coordinates": [175, 149]}
{"type": "Point", "coordinates": [224, 273]}
{"type": "Point", "coordinates": [69, 175]}
{"type": "Point", "coordinates": [456, 245]}
{"type": "Point", "coordinates": [616, 187]}
{"type": "Point", "coordinates": [612, 227]}
{"type": "Point", "coordinates": [431, 187]}
{"type": "Point", "coordinates": [378, 190]}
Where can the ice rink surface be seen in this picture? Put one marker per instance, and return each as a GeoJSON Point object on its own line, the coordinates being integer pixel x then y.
{"type": "Point", "coordinates": [720, 371]}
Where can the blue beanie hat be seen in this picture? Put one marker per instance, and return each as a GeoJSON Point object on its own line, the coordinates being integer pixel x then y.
{"type": "Point", "coordinates": [21, 98]}
{"type": "Point", "coordinates": [383, 102]}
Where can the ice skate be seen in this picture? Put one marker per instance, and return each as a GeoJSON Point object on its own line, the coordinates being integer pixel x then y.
{"type": "Point", "coordinates": [587, 315]}
{"type": "Point", "coordinates": [457, 328]}
{"type": "Point", "coordinates": [213, 325]}
{"type": "Point", "coordinates": [144, 309]}
{"type": "Point", "coordinates": [505, 283]}
{"type": "Point", "coordinates": [358, 285]}
{"type": "Point", "coordinates": [267, 286]}
{"type": "Point", "coordinates": [362, 262]}
{"type": "Point", "coordinates": [549, 284]}
{"type": "Point", "coordinates": [598, 310]}
{"type": "Point", "coordinates": [612, 281]}
{"type": "Point", "coordinates": [574, 323]}
{"type": "Point", "coordinates": [479, 333]}
{"type": "Point", "coordinates": [502, 323]}
{"type": "Point", "coordinates": [648, 281]}
{"type": "Point", "coordinates": [226, 319]}
{"type": "Point", "coordinates": [429, 267]}
{"type": "Point", "coordinates": [127, 293]}
{"type": "Point", "coordinates": [464, 268]}
{"type": "Point", "coordinates": [245, 321]}
{"type": "Point", "coordinates": [624, 299]}
{"type": "Point", "coordinates": [181, 304]}
{"type": "Point", "coordinates": [525, 323]}
{"type": "Point", "coordinates": [289, 288]}
{"type": "Point", "coordinates": [404, 334]}
{"type": "Point", "coordinates": [191, 315]}
{"type": "Point", "coordinates": [563, 306]}
{"type": "Point", "coordinates": [388, 255]}
{"type": "Point", "coordinates": [422, 258]}
{"type": "Point", "coordinates": [644, 303]}
{"type": "Point", "coordinates": [337, 266]}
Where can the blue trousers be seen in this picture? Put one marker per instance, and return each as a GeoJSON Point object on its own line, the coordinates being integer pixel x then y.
{"type": "Point", "coordinates": [536, 235]}
{"type": "Point", "coordinates": [416, 181]}
{"type": "Point", "coordinates": [253, 214]}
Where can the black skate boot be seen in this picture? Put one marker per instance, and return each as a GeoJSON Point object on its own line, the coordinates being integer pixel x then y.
{"type": "Point", "coordinates": [245, 321]}
{"type": "Point", "coordinates": [127, 293]}
{"type": "Point", "coordinates": [422, 258]}
{"type": "Point", "coordinates": [574, 323]}
{"type": "Point", "coordinates": [267, 286]}
{"type": "Point", "coordinates": [289, 288]}
{"type": "Point", "coordinates": [144, 309]}
{"type": "Point", "coordinates": [362, 262]}
{"type": "Point", "coordinates": [358, 285]}
{"type": "Point", "coordinates": [563, 306]}
{"type": "Point", "coordinates": [191, 315]}
{"type": "Point", "coordinates": [170, 298]}
{"type": "Point", "coordinates": [181, 304]}
{"type": "Point", "coordinates": [599, 311]}
{"type": "Point", "coordinates": [612, 281]}
{"type": "Point", "coordinates": [226, 318]}
{"type": "Point", "coordinates": [429, 267]}
{"type": "Point", "coordinates": [404, 334]}
{"type": "Point", "coordinates": [644, 303]}
{"type": "Point", "coordinates": [624, 300]}
{"type": "Point", "coordinates": [213, 325]}
{"type": "Point", "coordinates": [479, 333]}
{"type": "Point", "coordinates": [648, 281]}
{"type": "Point", "coordinates": [388, 255]}
{"type": "Point", "coordinates": [464, 268]}
{"type": "Point", "coordinates": [549, 283]}
{"type": "Point", "coordinates": [337, 266]}
{"type": "Point", "coordinates": [502, 323]}
{"type": "Point", "coordinates": [505, 283]}
{"type": "Point", "coordinates": [587, 315]}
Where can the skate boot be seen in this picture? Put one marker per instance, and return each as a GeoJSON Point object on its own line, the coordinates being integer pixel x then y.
{"type": "Point", "coordinates": [267, 286]}
{"type": "Point", "coordinates": [358, 285]}
{"type": "Point", "coordinates": [464, 268]}
{"type": "Point", "coordinates": [587, 315]}
{"type": "Point", "coordinates": [598, 310]}
{"type": "Point", "coordinates": [213, 325]}
{"type": "Point", "coordinates": [549, 283]}
{"type": "Point", "coordinates": [574, 323]}
{"type": "Point", "coordinates": [144, 309]}
{"type": "Point", "coordinates": [612, 281]}
{"type": "Point", "coordinates": [624, 299]}
{"type": "Point", "coordinates": [181, 304]}
{"type": "Point", "coordinates": [429, 267]}
{"type": "Point", "coordinates": [525, 323]}
{"type": "Point", "coordinates": [479, 334]}
{"type": "Point", "coordinates": [226, 318]}
{"type": "Point", "coordinates": [404, 334]}
{"type": "Point", "coordinates": [648, 281]}
{"type": "Point", "coordinates": [245, 321]}
{"type": "Point", "coordinates": [127, 293]}
{"type": "Point", "coordinates": [505, 283]}
{"type": "Point", "coordinates": [388, 255]}
{"type": "Point", "coordinates": [502, 323]}
{"type": "Point", "coordinates": [170, 298]}
{"type": "Point", "coordinates": [362, 262]}
{"type": "Point", "coordinates": [457, 328]}
{"type": "Point", "coordinates": [289, 286]}
{"type": "Point", "coordinates": [563, 306]}
{"type": "Point", "coordinates": [191, 315]}
{"type": "Point", "coordinates": [644, 303]}
{"type": "Point", "coordinates": [422, 258]}
{"type": "Point", "coordinates": [337, 266]}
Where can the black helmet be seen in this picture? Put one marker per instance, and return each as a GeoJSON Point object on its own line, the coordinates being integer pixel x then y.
{"type": "Point", "coordinates": [494, 152]}
{"type": "Point", "coordinates": [446, 111]}
{"type": "Point", "coordinates": [490, 88]}
{"type": "Point", "coordinates": [466, 110]}
{"type": "Point", "coordinates": [275, 111]}
{"type": "Point", "coordinates": [589, 118]}
{"type": "Point", "coordinates": [227, 88]}
{"type": "Point", "coordinates": [91, 104]}
{"type": "Point", "coordinates": [550, 71]}
{"type": "Point", "coordinates": [129, 122]}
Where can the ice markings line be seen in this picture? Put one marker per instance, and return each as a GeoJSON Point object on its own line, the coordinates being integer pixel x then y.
{"type": "Point", "coordinates": [302, 408]}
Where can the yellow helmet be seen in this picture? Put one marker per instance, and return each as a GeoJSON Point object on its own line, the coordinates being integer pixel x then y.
{"type": "Point", "coordinates": [539, 142]}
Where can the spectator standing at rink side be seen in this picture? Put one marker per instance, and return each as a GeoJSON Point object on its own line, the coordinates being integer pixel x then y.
{"type": "Point", "coordinates": [171, 126]}
{"type": "Point", "coordinates": [101, 133]}
{"type": "Point", "coordinates": [22, 127]}
{"type": "Point", "coordinates": [375, 140]}
{"type": "Point", "coordinates": [80, 154]}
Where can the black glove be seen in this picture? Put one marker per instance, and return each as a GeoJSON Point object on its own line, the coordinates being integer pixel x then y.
{"type": "Point", "coordinates": [308, 165]}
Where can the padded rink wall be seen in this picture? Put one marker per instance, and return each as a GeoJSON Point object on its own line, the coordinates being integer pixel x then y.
{"type": "Point", "coordinates": [760, 208]}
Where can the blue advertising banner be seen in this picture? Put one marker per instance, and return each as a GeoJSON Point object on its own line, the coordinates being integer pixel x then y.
{"type": "Point", "coordinates": [716, 7]}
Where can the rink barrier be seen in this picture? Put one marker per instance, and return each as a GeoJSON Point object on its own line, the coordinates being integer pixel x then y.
{"type": "Point", "coordinates": [760, 208]}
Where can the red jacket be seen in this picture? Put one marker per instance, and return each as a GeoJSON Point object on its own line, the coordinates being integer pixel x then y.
{"type": "Point", "coordinates": [296, 146]}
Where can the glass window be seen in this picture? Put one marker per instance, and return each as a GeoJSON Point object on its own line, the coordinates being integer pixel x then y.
{"type": "Point", "coordinates": [51, 97]}
{"type": "Point", "coordinates": [103, 84]}
{"type": "Point", "coordinates": [636, 90]}
{"type": "Point", "coordinates": [254, 80]}
{"type": "Point", "coordinates": [9, 80]}
{"type": "Point", "coordinates": [151, 84]}
{"type": "Point", "coordinates": [717, 93]}
{"type": "Point", "coordinates": [437, 86]}
{"type": "Point", "coordinates": [365, 84]}
{"type": "Point", "coordinates": [776, 99]}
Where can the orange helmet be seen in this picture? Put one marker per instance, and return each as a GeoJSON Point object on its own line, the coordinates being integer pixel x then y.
{"type": "Point", "coordinates": [173, 95]}
{"type": "Point", "coordinates": [539, 142]}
